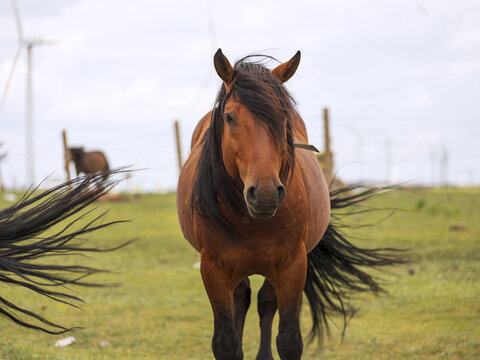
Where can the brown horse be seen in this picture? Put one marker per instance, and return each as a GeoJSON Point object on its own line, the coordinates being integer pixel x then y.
{"type": "Point", "coordinates": [252, 202]}
{"type": "Point", "coordinates": [89, 162]}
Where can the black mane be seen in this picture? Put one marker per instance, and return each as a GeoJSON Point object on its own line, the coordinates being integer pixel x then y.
{"type": "Point", "coordinates": [273, 107]}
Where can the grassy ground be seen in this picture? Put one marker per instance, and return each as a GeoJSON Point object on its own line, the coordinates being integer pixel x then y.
{"type": "Point", "coordinates": [161, 310]}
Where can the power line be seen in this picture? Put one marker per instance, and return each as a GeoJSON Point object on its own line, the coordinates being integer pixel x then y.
{"type": "Point", "coordinates": [440, 114]}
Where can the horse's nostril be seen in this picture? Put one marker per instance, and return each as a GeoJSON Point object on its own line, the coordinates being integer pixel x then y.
{"type": "Point", "coordinates": [251, 196]}
{"type": "Point", "coordinates": [281, 193]}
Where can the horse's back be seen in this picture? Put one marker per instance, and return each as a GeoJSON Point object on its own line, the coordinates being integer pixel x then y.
{"type": "Point", "coordinates": [94, 161]}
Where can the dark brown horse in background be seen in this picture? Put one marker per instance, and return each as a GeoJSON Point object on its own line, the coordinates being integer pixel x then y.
{"type": "Point", "coordinates": [25, 239]}
{"type": "Point", "coordinates": [89, 162]}
{"type": "Point", "coordinates": [252, 202]}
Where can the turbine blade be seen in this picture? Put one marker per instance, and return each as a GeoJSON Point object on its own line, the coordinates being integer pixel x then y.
{"type": "Point", "coordinates": [17, 19]}
{"type": "Point", "coordinates": [50, 42]}
{"type": "Point", "coordinates": [10, 75]}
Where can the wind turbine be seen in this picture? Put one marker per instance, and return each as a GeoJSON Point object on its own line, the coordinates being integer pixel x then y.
{"type": "Point", "coordinates": [28, 43]}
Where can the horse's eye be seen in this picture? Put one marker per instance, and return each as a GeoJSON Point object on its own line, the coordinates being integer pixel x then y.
{"type": "Point", "coordinates": [229, 118]}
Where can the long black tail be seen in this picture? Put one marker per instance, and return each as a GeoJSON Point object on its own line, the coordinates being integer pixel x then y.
{"type": "Point", "coordinates": [335, 266]}
{"type": "Point", "coordinates": [23, 242]}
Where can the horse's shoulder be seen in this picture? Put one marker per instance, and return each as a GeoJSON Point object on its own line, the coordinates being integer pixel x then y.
{"type": "Point", "coordinates": [200, 129]}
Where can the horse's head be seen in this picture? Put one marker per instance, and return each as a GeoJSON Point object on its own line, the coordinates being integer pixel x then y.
{"type": "Point", "coordinates": [256, 142]}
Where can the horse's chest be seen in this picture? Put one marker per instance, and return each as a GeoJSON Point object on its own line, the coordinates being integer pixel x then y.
{"type": "Point", "coordinates": [265, 260]}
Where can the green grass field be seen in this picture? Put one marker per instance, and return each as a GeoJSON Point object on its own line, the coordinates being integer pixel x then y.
{"type": "Point", "coordinates": [161, 310]}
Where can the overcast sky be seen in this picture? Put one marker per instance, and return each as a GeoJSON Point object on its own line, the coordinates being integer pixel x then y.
{"type": "Point", "coordinates": [401, 80]}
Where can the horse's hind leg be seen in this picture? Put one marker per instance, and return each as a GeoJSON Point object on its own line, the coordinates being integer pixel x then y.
{"type": "Point", "coordinates": [241, 301]}
{"type": "Point", "coordinates": [267, 306]}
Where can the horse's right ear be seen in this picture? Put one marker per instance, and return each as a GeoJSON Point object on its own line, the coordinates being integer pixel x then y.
{"type": "Point", "coordinates": [224, 68]}
{"type": "Point", "coordinates": [286, 70]}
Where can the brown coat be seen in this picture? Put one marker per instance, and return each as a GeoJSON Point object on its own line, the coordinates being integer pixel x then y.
{"type": "Point", "coordinates": [88, 162]}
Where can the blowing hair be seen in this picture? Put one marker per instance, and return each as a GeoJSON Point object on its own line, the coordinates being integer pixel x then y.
{"type": "Point", "coordinates": [273, 107]}
{"type": "Point", "coordinates": [335, 267]}
{"type": "Point", "coordinates": [24, 245]}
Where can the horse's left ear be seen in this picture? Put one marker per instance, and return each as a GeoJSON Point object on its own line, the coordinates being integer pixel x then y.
{"type": "Point", "coordinates": [286, 70]}
{"type": "Point", "coordinates": [224, 68]}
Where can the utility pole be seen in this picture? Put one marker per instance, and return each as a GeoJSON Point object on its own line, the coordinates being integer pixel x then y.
{"type": "Point", "coordinates": [388, 160]}
{"type": "Point", "coordinates": [359, 137]}
{"type": "Point", "coordinates": [444, 166]}
{"type": "Point", "coordinates": [432, 163]}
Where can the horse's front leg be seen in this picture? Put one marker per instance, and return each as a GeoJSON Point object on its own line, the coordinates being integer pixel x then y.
{"type": "Point", "coordinates": [225, 342]}
{"type": "Point", "coordinates": [241, 300]}
{"type": "Point", "coordinates": [289, 283]}
{"type": "Point", "coordinates": [267, 307]}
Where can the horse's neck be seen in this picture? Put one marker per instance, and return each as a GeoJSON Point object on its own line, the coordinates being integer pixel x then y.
{"type": "Point", "coordinates": [299, 130]}
{"type": "Point", "coordinates": [200, 129]}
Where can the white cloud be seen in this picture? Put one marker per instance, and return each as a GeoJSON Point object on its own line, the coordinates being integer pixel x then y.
{"type": "Point", "coordinates": [418, 98]}
{"type": "Point", "coordinates": [125, 70]}
{"type": "Point", "coordinates": [465, 67]}
{"type": "Point", "coordinates": [466, 34]}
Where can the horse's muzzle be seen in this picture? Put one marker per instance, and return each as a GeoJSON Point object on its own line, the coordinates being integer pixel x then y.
{"type": "Point", "coordinates": [263, 200]}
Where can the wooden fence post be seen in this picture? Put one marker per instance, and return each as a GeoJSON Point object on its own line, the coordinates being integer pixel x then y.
{"type": "Point", "coordinates": [179, 145]}
{"type": "Point", "coordinates": [2, 157]}
{"type": "Point", "coordinates": [328, 152]}
{"type": "Point", "coordinates": [66, 154]}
